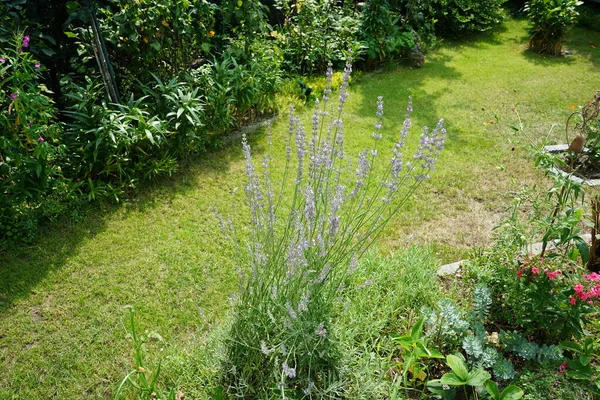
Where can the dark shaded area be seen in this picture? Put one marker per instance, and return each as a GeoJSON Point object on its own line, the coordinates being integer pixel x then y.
{"type": "Point", "coordinates": [23, 267]}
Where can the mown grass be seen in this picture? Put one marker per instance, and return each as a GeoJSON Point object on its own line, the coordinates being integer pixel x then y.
{"type": "Point", "coordinates": [62, 301]}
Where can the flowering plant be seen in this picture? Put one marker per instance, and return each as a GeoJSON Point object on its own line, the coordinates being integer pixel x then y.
{"type": "Point", "coordinates": [299, 259]}
{"type": "Point", "coordinates": [29, 132]}
{"type": "Point", "coordinates": [550, 298]}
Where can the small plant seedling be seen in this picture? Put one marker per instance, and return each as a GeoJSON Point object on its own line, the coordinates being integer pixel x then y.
{"type": "Point", "coordinates": [460, 376]}
{"type": "Point", "coordinates": [510, 392]}
{"type": "Point", "coordinates": [415, 348]}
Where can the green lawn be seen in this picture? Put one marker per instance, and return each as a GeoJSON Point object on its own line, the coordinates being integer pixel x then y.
{"type": "Point", "coordinates": [63, 301]}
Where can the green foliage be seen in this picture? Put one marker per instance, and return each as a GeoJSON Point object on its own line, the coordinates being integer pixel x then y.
{"type": "Point", "coordinates": [504, 370]}
{"type": "Point", "coordinates": [563, 226]}
{"type": "Point", "coordinates": [30, 141]}
{"type": "Point", "coordinates": [170, 34]}
{"type": "Point", "coordinates": [589, 17]}
{"type": "Point", "coordinates": [414, 347]}
{"type": "Point", "coordinates": [457, 17]}
{"type": "Point", "coordinates": [244, 18]}
{"type": "Point", "coordinates": [547, 382]}
{"type": "Point", "coordinates": [460, 377]}
{"type": "Point", "coordinates": [446, 324]}
{"type": "Point", "coordinates": [114, 148]}
{"type": "Point", "coordinates": [510, 392]}
{"type": "Point", "coordinates": [300, 259]}
{"type": "Point", "coordinates": [315, 32]}
{"type": "Point", "coordinates": [549, 20]}
{"type": "Point", "coordinates": [548, 299]}
{"type": "Point", "coordinates": [385, 35]}
{"type": "Point", "coordinates": [401, 282]}
{"type": "Point", "coordinates": [141, 379]}
{"type": "Point", "coordinates": [579, 367]}
{"type": "Point", "coordinates": [527, 350]}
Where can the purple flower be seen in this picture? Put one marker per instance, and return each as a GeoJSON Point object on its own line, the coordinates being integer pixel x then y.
{"type": "Point", "coordinates": [41, 139]}
{"type": "Point", "coordinates": [290, 372]}
{"type": "Point", "coordinates": [14, 96]}
{"type": "Point", "coordinates": [37, 65]}
{"type": "Point", "coordinates": [321, 331]}
{"type": "Point", "coordinates": [25, 42]}
{"type": "Point", "coordinates": [30, 123]}
{"type": "Point", "coordinates": [2, 60]}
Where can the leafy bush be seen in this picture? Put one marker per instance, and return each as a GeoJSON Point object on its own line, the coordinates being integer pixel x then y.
{"type": "Point", "coordinates": [281, 341]}
{"type": "Point", "coordinates": [314, 33]}
{"type": "Point", "coordinates": [549, 20]}
{"type": "Point", "coordinates": [549, 299]}
{"type": "Point", "coordinates": [589, 17]}
{"type": "Point", "coordinates": [385, 35]}
{"type": "Point", "coordinates": [164, 37]}
{"type": "Point", "coordinates": [29, 142]}
{"type": "Point", "coordinates": [456, 17]}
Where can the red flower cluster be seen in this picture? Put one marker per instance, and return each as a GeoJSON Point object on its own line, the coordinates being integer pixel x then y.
{"type": "Point", "coordinates": [528, 266]}
{"type": "Point", "coordinates": [582, 294]}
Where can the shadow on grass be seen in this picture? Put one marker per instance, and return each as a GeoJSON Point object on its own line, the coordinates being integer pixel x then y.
{"type": "Point", "coordinates": [579, 42]}
{"type": "Point", "coordinates": [585, 43]}
{"type": "Point", "coordinates": [22, 268]}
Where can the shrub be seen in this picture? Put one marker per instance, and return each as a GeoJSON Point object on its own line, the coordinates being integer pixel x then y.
{"type": "Point", "coordinates": [385, 35]}
{"type": "Point", "coordinates": [164, 36]}
{"type": "Point", "coordinates": [550, 299]}
{"type": "Point", "coordinates": [29, 140]}
{"type": "Point", "coordinates": [549, 20]}
{"type": "Point", "coordinates": [299, 259]}
{"type": "Point", "coordinates": [457, 17]}
{"type": "Point", "coordinates": [314, 33]}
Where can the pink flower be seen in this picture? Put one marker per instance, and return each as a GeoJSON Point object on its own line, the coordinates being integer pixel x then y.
{"type": "Point", "coordinates": [562, 368]}
{"type": "Point", "coordinates": [14, 96]}
{"type": "Point", "coordinates": [37, 65]}
{"type": "Point", "coordinates": [572, 300]}
{"type": "Point", "coordinates": [519, 274]}
{"type": "Point", "coordinates": [592, 277]}
{"type": "Point", "coordinates": [578, 288]}
{"type": "Point", "coordinates": [25, 42]}
{"type": "Point", "coordinates": [2, 60]}
{"type": "Point", "coordinates": [41, 139]}
{"type": "Point", "coordinates": [553, 274]}
{"type": "Point", "coordinates": [590, 302]}
{"type": "Point", "coordinates": [535, 270]}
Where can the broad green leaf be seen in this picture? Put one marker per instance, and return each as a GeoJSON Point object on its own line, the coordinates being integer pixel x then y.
{"type": "Point", "coordinates": [458, 366]}
{"type": "Point", "coordinates": [435, 387]}
{"type": "Point", "coordinates": [572, 346]}
{"type": "Point", "coordinates": [149, 136]}
{"type": "Point", "coordinates": [478, 377]}
{"type": "Point", "coordinates": [511, 392]}
{"type": "Point", "coordinates": [584, 250]}
{"type": "Point", "coordinates": [580, 374]}
{"type": "Point", "coordinates": [492, 389]}
{"type": "Point", "coordinates": [417, 330]}
{"type": "Point", "coordinates": [452, 379]}
{"type": "Point", "coordinates": [585, 360]}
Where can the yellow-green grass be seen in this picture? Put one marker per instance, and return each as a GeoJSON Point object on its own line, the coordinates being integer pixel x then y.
{"type": "Point", "coordinates": [62, 315]}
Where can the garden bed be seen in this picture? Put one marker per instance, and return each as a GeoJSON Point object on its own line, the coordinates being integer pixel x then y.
{"type": "Point", "coordinates": [585, 174]}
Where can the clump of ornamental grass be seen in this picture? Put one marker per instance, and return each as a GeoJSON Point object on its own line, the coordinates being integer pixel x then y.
{"type": "Point", "coordinates": [304, 248]}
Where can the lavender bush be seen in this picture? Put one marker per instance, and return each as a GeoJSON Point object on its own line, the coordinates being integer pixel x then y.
{"type": "Point", "coordinates": [305, 247]}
